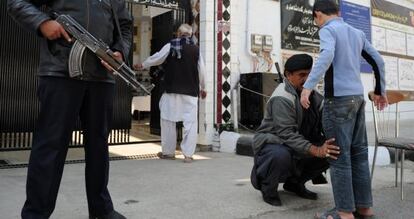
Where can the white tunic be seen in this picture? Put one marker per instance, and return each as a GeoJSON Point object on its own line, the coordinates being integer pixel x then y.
{"type": "Point", "coordinates": [177, 107]}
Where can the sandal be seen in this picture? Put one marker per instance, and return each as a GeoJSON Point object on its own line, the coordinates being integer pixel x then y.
{"type": "Point", "coordinates": [325, 215]}
{"type": "Point", "coordinates": [358, 215]}
{"type": "Point", "coordinates": [188, 159]}
{"type": "Point", "coordinates": [166, 156]}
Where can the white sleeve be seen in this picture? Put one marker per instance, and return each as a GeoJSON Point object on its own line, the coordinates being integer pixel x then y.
{"type": "Point", "coordinates": [201, 72]}
{"type": "Point", "coordinates": [158, 58]}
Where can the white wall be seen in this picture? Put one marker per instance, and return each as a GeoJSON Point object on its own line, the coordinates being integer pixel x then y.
{"type": "Point", "coordinates": [265, 20]}
{"type": "Point", "coordinates": [368, 79]}
{"type": "Point", "coordinates": [207, 50]}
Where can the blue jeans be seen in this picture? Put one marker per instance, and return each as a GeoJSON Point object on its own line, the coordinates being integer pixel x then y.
{"type": "Point", "coordinates": [344, 119]}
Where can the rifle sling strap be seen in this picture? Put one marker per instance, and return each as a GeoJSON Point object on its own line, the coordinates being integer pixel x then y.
{"type": "Point", "coordinates": [118, 27]}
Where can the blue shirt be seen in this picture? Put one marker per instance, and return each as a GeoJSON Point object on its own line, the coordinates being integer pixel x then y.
{"type": "Point", "coordinates": [339, 61]}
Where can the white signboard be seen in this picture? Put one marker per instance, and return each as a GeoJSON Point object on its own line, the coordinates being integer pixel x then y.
{"type": "Point", "coordinates": [391, 72]}
{"type": "Point", "coordinates": [410, 45]}
{"type": "Point", "coordinates": [406, 73]}
{"type": "Point", "coordinates": [378, 38]}
{"type": "Point", "coordinates": [396, 42]}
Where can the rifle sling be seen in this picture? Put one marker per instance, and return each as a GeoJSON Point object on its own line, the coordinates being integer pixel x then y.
{"type": "Point", "coordinates": [118, 27]}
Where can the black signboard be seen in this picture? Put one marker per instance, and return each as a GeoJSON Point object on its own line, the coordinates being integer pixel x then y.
{"type": "Point", "coordinates": [298, 30]}
{"type": "Point", "coordinates": [392, 12]}
{"type": "Point", "coordinates": [173, 4]}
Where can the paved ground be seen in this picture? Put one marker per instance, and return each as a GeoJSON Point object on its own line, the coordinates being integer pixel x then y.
{"type": "Point", "coordinates": [215, 185]}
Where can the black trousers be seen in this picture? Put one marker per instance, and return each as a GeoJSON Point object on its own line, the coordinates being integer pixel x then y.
{"type": "Point", "coordinates": [274, 163]}
{"type": "Point", "coordinates": [62, 101]}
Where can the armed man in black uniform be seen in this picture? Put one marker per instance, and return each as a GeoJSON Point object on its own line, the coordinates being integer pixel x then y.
{"type": "Point", "coordinates": [63, 99]}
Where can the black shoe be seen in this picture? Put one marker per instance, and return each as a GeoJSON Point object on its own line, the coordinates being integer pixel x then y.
{"type": "Point", "coordinates": [320, 179]}
{"type": "Point", "coordinates": [275, 201]}
{"type": "Point", "coordinates": [300, 190]}
{"type": "Point", "coordinates": [113, 215]}
{"type": "Point", "coordinates": [357, 215]}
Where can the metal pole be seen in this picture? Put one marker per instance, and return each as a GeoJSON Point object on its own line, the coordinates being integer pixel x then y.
{"type": "Point", "coordinates": [396, 167]}
{"type": "Point", "coordinates": [376, 140]}
{"type": "Point", "coordinates": [402, 174]}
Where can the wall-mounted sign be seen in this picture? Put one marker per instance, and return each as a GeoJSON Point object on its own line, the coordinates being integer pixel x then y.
{"type": "Point", "coordinates": [173, 4]}
{"type": "Point", "coordinates": [298, 31]}
{"type": "Point", "coordinates": [359, 17]}
{"type": "Point", "coordinates": [392, 12]}
{"type": "Point", "coordinates": [393, 36]}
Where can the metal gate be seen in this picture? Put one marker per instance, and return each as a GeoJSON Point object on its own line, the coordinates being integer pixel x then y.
{"type": "Point", "coordinates": [19, 58]}
{"type": "Point", "coordinates": [19, 106]}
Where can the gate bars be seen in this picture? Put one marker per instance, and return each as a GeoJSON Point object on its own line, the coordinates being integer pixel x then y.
{"type": "Point", "coordinates": [19, 106]}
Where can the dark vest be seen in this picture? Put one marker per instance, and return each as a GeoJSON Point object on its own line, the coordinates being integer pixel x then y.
{"type": "Point", "coordinates": [181, 75]}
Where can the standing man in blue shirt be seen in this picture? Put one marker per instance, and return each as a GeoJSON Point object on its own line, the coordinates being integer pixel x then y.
{"type": "Point", "coordinates": [341, 49]}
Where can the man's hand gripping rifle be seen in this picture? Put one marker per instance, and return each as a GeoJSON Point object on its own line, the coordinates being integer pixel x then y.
{"type": "Point", "coordinates": [85, 40]}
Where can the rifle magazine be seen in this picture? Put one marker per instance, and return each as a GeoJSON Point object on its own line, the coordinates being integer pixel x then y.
{"type": "Point", "coordinates": [75, 60]}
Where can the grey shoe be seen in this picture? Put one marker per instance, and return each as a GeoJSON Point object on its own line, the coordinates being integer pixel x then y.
{"type": "Point", "coordinates": [166, 156]}
{"type": "Point", "coordinates": [329, 213]}
{"type": "Point", "coordinates": [188, 159]}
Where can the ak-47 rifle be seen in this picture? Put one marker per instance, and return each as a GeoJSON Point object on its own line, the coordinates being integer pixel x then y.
{"type": "Point", "coordinates": [86, 40]}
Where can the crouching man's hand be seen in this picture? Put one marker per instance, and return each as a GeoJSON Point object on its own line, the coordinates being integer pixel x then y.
{"type": "Point", "coordinates": [327, 150]}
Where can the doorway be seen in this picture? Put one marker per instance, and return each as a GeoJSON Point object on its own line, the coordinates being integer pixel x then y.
{"type": "Point", "coordinates": [153, 28]}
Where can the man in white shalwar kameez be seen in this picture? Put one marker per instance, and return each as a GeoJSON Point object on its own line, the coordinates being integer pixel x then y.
{"type": "Point", "coordinates": [184, 82]}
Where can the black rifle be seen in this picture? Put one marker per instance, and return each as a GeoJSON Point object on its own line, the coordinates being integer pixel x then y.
{"type": "Point", "coordinates": [86, 40]}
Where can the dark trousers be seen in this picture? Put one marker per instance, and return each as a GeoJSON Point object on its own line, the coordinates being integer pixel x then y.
{"type": "Point", "coordinates": [62, 101]}
{"type": "Point", "coordinates": [274, 163]}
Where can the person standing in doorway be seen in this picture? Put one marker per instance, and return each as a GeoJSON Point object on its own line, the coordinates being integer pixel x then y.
{"type": "Point", "coordinates": [184, 82]}
{"type": "Point", "coordinates": [341, 48]}
{"type": "Point", "coordinates": [64, 99]}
